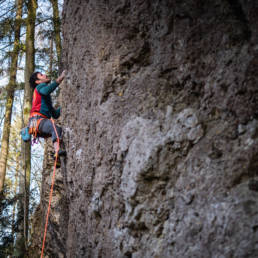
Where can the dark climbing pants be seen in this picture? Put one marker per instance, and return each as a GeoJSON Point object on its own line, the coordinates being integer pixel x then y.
{"type": "Point", "coordinates": [46, 129]}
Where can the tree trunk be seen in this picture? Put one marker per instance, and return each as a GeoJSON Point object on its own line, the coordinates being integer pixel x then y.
{"type": "Point", "coordinates": [10, 95]}
{"type": "Point", "coordinates": [50, 69]}
{"type": "Point", "coordinates": [17, 169]}
{"type": "Point", "coordinates": [26, 148]}
{"type": "Point", "coordinates": [57, 30]}
{"type": "Point", "coordinates": [29, 69]}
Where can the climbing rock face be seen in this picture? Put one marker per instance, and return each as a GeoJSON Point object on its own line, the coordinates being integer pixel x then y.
{"type": "Point", "coordinates": [159, 112]}
{"type": "Point", "coordinates": [54, 245]}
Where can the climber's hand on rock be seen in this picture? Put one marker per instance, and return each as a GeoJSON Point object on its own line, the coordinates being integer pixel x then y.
{"type": "Point", "coordinates": [61, 77]}
{"type": "Point", "coordinates": [63, 74]}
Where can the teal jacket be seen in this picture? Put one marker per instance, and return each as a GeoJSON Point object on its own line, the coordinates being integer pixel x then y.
{"type": "Point", "coordinates": [42, 103]}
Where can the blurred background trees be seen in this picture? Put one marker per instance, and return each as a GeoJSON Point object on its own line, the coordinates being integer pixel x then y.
{"type": "Point", "coordinates": [30, 40]}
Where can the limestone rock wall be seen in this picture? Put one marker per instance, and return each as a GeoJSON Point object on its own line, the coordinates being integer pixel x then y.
{"type": "Point", "coordinates": [55, 242]}
{"type": "Point", "coordinates": [159, 111]}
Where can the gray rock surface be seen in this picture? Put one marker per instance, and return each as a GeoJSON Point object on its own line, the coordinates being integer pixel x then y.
{"type": "Point", "coordinates": [58, 219]}
{"type": "Point", "coordinates": [161, 130]}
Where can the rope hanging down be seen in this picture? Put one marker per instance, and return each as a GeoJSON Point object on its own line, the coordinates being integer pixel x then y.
{"type": "Point", "coordinates": [51, 191]}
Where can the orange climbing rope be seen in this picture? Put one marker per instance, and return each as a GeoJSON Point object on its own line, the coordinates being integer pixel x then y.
{"type": "Point", "coordinates": [51, 191]}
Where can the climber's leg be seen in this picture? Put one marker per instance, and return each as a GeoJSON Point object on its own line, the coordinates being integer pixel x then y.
{"type": "Point", "coordinates": [46, 129]}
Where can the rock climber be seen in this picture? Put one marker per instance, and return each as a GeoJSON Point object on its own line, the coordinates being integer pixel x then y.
{"type": "Point", "coordinates": [42, 109]}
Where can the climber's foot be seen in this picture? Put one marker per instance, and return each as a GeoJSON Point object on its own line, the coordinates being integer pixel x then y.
{"type": "Point", "coordinates": [61, 153]}
{"type": "Point", "coordinates": [58, 163]}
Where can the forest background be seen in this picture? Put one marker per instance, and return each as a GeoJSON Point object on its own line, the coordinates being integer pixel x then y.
{"type": "Point", "coordinates": [30, 40]}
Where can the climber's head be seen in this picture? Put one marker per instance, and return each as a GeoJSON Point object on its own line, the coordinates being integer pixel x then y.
{"type": "Point", "coordinates": [37, 78]}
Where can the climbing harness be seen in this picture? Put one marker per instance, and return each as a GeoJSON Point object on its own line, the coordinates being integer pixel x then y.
{"type": "Point", "coordinates": [34, 122]}
{"type": "Point", "coordinates": [51, 190]}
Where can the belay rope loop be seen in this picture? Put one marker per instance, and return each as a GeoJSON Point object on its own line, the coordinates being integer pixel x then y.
{"type": "Point", "coordinates": [51, 190]}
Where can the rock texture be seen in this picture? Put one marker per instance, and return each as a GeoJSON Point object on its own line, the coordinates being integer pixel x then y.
{"type": "Point", "coordinates": [160, 121]}
{"type": "Point", "coordinates": [58, 219]}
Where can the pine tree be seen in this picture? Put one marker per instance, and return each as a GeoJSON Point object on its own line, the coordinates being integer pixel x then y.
{"type": "Point", "coordinates": [10, 95]}
{"type": "Point", "coordinates": [29, 69]}
{"type": "Point", "coordinates": [57, 30]}
{"type": "Point", "coordinates": [24, 184]}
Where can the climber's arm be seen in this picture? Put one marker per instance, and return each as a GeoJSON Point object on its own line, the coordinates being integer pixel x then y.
{"type": "Point", "coordinates": [47, 89]}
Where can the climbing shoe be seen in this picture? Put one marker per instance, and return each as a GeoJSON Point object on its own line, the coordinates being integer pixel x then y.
{"type": "Point", "coordinates": [58, 163]}
{"type": "Point", "coordinates": [61, 153]}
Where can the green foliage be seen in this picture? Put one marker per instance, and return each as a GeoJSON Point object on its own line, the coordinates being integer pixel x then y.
{"type": "Point", "coordinates": [7, 21]}
{"type": "Point", "coordinates": [6, 26]}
